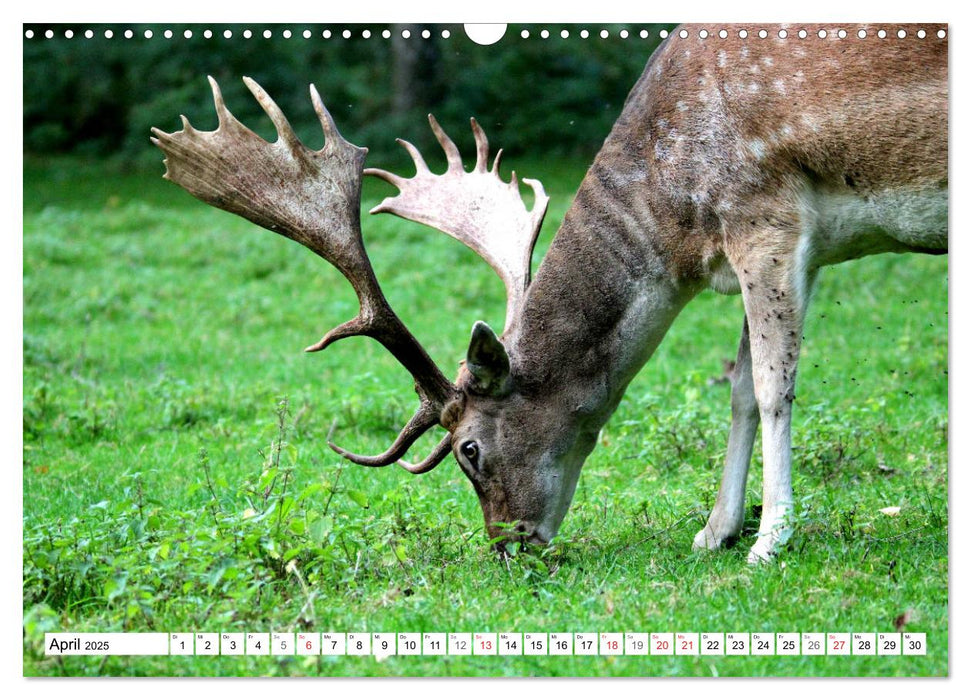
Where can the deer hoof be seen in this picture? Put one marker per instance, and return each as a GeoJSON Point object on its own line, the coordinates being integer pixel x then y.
{"type": "Point", "coordinates": [760, 553]}
{"type": "Point", "coordinates": [720, 531]}
{"type": "Point", "coordinates": [767, 546]}
{"type": "Point", "coordinates": [705, 539]}
{"type": "Point", "coordinates": [709, 538]}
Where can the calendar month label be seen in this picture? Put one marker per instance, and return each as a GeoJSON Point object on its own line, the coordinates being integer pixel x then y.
{"type": "Point", "coordinates": [106, 644]}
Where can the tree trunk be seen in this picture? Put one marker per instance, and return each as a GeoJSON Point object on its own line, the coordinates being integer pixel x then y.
{"type": "Point", "coordinates": [417, 74]}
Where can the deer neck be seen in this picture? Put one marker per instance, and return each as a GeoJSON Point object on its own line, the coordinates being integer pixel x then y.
{"type": "Point", "coordinates": [605, 294]}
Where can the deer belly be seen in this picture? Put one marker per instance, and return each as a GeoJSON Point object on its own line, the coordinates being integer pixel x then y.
{"type": "Point", "coordinates": [841, 226]}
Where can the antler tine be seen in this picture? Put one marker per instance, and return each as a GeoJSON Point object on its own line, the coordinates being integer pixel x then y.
{"type": "Point", "coordinates": [481, 147]}
{"type": "Point", "coordinates": [424, 418]}
{"type": "Point", "coordinates": [451, 150]}
{"type": "Point", "coordinates": [495, 163]}
{"type": "Point", "coordinates": [226, 118]}
{"type": "Point", "coordinates": [326, 121]}
{"type": "Point", "coordinates": [541, 200]}
{"type": "Point", "coordinates": [477, 208]}
{"type": "Point", "coordinates": [421, 167]}
{"type": "Point", "coordinates": [313, 198]}
{"type": "Point", "coordinates": [283, 128]}
{"type": "Point", "coordinates": [440, 452]}
{"type": "Point", "coordinates": [355, 326]}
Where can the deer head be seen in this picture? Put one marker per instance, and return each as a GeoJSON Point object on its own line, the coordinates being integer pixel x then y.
{"type": "Point", "coordinates": [521, 455]}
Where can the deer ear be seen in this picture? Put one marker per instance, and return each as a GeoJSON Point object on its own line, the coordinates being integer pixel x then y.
{"type": "Point", "coordinates": [487, 361]}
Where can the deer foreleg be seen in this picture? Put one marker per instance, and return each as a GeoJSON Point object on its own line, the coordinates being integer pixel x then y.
{"type": "Point", "coordinates": [775, 290]}
{"type": "Point", "coordinates": [725, 521]}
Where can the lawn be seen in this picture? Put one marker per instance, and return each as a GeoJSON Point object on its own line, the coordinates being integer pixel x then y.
{"type": "Point", "coordinates": [176, 474]}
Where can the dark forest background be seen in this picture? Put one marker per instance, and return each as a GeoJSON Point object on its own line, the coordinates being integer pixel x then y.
{"type": "Point", "coordinates": [98, 97]}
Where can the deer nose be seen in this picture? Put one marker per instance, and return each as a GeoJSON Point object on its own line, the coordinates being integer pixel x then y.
{"type": "Point", "coordinates": [522, 533]}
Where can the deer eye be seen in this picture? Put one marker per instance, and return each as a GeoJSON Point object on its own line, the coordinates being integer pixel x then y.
{"type": "Point", "coordinates": [470, 450]}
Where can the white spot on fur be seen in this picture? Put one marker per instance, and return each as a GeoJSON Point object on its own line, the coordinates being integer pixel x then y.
{"type": "Point", "coordinates": [810, 121]}
{"type": "Point", "coordinates": [722, 59]}
{"type": "Point", "coordinates": [767, 60]}
{"type": "Point", "coordinates": [757, 148]}
{"type": "Point", "coordinates": [780, 86]}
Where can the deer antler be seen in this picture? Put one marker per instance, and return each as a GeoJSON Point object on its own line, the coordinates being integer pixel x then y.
{"type": "Point", "coordinates": [313, 198]}
{"type": "Point", "coordinates": [476, 208]}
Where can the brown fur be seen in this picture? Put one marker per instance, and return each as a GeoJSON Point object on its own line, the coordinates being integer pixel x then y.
{"type": "Point", "coordinates": [706, 166]}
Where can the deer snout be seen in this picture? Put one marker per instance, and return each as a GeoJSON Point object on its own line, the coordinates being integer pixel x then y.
{"type": "Point", "coordinates": [522, 533]}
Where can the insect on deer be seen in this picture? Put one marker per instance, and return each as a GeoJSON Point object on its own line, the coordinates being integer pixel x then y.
{"type": "Point", "coordinates": [739, 164]}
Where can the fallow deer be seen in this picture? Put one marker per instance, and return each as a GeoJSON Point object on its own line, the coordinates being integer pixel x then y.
{"type": "Point", "coordinates": [742, 163]}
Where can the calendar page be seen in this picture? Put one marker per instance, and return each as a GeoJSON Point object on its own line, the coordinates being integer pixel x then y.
{"type": "Point", "coordinates": [276, 424]}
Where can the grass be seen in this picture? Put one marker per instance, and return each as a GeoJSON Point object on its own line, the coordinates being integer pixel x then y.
{"type": "Point", "coordinates": [177, 478]}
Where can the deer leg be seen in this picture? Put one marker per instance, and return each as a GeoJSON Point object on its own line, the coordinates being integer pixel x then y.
{"type": "Point", "coordinates": [775, 292]}
{"type": "Point", "coordinates": [725, 521]}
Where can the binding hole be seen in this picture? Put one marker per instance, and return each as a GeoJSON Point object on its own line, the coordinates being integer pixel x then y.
{"type": "Point", "coordinates": [485, 34]}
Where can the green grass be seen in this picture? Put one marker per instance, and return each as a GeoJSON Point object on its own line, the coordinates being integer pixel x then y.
{"type": "Point", "coordinates": [177, 478]}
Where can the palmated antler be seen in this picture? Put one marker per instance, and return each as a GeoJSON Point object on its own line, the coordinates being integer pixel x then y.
{"type": "Point", "coordinates": [313, 198]}
{"type": "Point", "coordinates": [476, 208]}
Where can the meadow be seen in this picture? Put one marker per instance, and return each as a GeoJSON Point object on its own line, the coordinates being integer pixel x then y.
{"type": "Point", "coordinates": [177, 478]}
